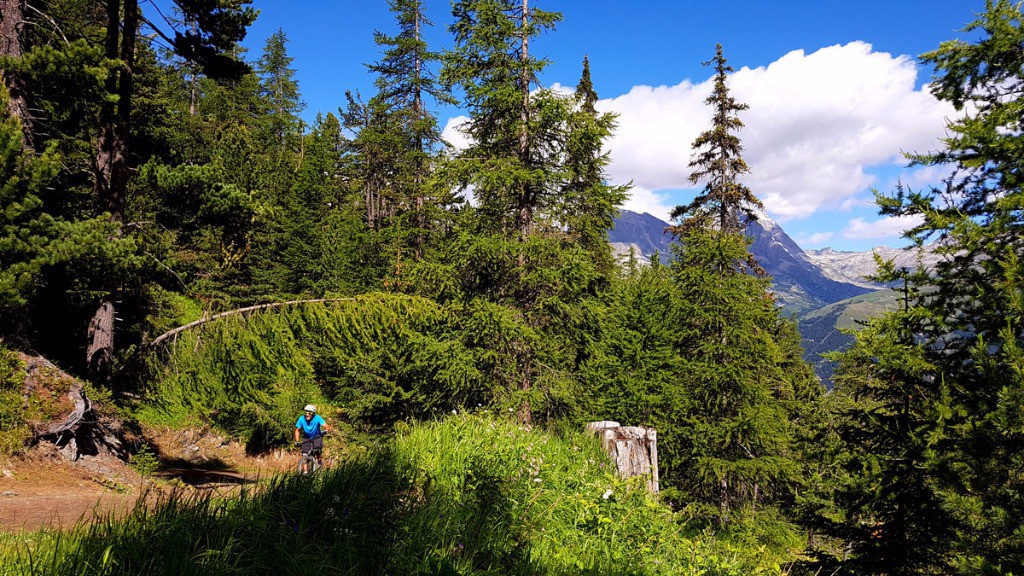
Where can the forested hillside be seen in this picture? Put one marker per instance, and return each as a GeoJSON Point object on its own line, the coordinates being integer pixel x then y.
{"type": "Point", "coordinates": [172, 231]}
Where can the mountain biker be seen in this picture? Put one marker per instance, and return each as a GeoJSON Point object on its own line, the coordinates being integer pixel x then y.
{"type": "Point", "coordinates": [309, 432]}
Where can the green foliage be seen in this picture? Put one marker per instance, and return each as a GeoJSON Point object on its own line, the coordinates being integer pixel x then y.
{"type": "Point", "coordinates": [14, 431]}
{"type": "Point", "coordinates": [145, 461]}
{"type": "Point", "coordinates": [724, 200]}
{"type": "Point", "coordinates": [935, 486]}
{"type": "Point", "coordinates": [384, 357]}
{"type": "Point", "coordinates": [460, 496]}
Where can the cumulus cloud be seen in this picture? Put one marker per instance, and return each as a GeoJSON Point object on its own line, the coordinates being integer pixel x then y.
{"type": "Point", "coordinates": [817, 124]}
{"type": "Point", "coordinates": [453, 135]}
{"type": "Point", "coordinates": [859, 229]}
{"type": "Point", "coordinates": [819, 238]}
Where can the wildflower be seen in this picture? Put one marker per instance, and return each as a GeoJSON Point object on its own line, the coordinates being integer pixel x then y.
{"type": "Point", "coordinates": [536, 479]}
{"type": "Point", "coordinates": [607, 494]}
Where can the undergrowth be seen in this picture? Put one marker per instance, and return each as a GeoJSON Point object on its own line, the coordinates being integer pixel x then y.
{"type": "Point", "coordinates": [469, 495]}
{"type": "Point", "coordinates": [14, 431]}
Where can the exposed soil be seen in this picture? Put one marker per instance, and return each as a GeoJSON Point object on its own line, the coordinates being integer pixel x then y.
{"type": "Point", "coordinates": [43, 489]}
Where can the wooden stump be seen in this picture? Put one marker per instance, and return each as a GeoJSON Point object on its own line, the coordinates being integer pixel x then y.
{"type": "Point", "coordinates": [634, 449]}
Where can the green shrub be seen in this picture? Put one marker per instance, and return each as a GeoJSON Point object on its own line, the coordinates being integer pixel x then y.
{"type": "Point", "coordinates": [145, 461]}
{"type": "Point", "coordinates": [14, 431]}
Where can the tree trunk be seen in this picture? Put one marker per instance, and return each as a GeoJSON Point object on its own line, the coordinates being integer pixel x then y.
{"type": "Point", "coordinates": [526, 199]}
{"type": "Point", "coordinates": [11, 23]}
{"type": "Point", "coordinates": [112, 170]}
{"type": "Point", "coordinates": [634, 449]}
{"type": "Point", "coordinates": [99, 354]}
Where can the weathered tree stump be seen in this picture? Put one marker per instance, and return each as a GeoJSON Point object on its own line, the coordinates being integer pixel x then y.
{"type": "Point", "coordinates": [81, 431]}
{"type": "Point", "coordinates": [634, 449]}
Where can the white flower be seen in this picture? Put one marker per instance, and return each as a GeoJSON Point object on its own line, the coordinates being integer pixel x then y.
{"type": "Point", "coordinates": [607, 494]}
{"type": "Point", "coordinates": [536, 479]}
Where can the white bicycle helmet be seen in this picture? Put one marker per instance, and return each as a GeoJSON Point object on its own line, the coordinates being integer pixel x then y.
{"type": "Point", "coordinates": [310, 408]}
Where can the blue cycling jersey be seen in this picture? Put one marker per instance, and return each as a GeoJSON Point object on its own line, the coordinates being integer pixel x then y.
{"type": "Point", "coordinates": [310, 428]}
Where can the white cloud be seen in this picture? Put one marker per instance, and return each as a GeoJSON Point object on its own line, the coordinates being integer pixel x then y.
{"type": "Point", "coordinates": [819, 238]}
{"type": "Point", "coordinates": [817, 124]}
{"type": "Point", "coordinates": [642, 200]}
{"type": "Point", "coordinates": [453, 135]}
{"type": "Point", "coordinates": [859, 229]}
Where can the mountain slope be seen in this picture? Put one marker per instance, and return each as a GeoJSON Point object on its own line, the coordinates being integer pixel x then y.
{"type": "Point", "coordinates": [800, 284]}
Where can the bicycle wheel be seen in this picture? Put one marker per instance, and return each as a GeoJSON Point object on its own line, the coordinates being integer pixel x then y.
{"type": "Point", "coordinates": [307, 465]}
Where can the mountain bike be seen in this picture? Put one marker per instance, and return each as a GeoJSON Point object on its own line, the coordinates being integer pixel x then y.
{"type": "Point", "coordinates": [309, 461]}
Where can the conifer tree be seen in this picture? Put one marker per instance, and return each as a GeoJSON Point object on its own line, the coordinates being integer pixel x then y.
{"type": "Point", "coordinates": [724, 201]}
{"type": "Point", "coordinates": [590, 203]}
{"type": "Point", "coordinates": [406, 83]}
{"type": "Point", "coordinates": [943, 376]}
{"type": "Point", "coordinates": [516, 135]}
{"type": "Point", "coordinates": [222, 25]}
{"type": "Point", "coordinates": [735, 439]}
{"type": "Point", "coordinates": [741, 374]}
{"type": "Point", "coordinates": [282, 131]}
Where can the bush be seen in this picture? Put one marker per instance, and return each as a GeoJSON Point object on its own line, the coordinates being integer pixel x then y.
{"type": "Point", "coordinates": [14, 431]}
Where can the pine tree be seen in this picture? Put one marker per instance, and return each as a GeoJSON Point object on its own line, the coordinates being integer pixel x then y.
{"type": "Point", "coordinates": [590, 203]}
{"type": "Point", "coordinates": [222, 26]}
{"type": "Point", "coordinates": [943, 376]}
{"type": "Point", "coordinates": [724, 201]}
{"type": "Point", "coordinates": [282, 128]}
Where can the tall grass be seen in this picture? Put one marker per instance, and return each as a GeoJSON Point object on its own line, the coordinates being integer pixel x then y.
{"type": "Point", "coordinates": [469, 495]}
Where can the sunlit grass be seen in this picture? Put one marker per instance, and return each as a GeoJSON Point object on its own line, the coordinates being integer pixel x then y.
{"type": "Point", "coordinates": [469, 495]}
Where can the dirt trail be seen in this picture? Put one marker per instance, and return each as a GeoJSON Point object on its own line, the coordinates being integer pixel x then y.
{"type": "Point", "coordinates": [36, 493]}
{"type": "Point", "coordinates": [43, 490]}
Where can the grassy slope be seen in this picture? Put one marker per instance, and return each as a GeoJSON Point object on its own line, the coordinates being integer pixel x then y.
{"type": "Point", "coordinates": [470, 495]}
{"type": "Point", "coordinates": [821, 329]}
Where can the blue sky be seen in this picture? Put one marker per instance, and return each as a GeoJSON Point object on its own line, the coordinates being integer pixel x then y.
{"type": "Point", "coordinates": [835, 92]}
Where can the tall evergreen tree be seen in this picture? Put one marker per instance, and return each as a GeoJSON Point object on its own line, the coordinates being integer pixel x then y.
{"type": "Point", "coordinates": [406, 85]}
{"type": "Point", "coordinates": [724, 201]}
{"type": "Point", "coordinates": [222, 25]}
{"type": "Point", "coordinates": [737, 378]}
{"type": "Point", "coordinates": [515, 134]}
{"type": "Point", "coordinates": [590, 203]}
{"type": "Point", "coordinates": [944, 376]}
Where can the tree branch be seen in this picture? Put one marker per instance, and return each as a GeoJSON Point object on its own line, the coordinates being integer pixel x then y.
{"type": "Point", "coordinates": [245, 310]}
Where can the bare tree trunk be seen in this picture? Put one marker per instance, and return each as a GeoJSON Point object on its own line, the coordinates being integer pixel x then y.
{"type": "Point", "coordinates": [420, 168]}
{"type": "Point", "coordinates": [112, 170]}
{"type": "Point", "coordinates": [723, 503]}
{"type": "Point", "coordinates": [525, 215]}
{"type": "Point", "coordinates": [11, 23]}
{"type": "Point", "coordinates": [99, 354]}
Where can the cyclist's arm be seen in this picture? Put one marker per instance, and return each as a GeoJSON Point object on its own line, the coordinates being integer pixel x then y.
{"type": "Point", "coordinates": [297, 434]}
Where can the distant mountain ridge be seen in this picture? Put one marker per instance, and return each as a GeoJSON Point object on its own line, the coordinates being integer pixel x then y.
{"type": "Point", "coordinates": [800, 283]}
{"type": "Point", "coordinates": [826, 289]}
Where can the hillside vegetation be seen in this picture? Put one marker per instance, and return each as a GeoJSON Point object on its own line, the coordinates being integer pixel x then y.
{"type": "Point", "coordinates": [466, 495]}
{"type": "Point", "coordinates": [191, 252]}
